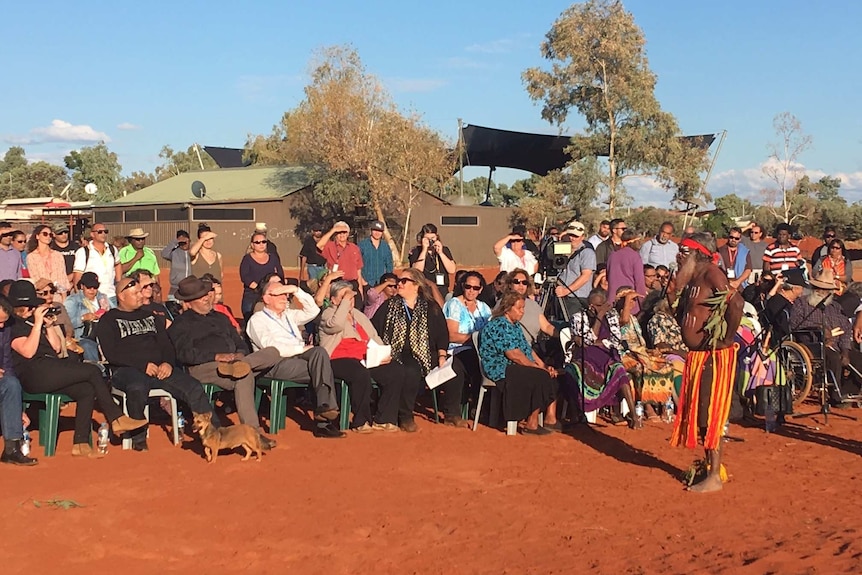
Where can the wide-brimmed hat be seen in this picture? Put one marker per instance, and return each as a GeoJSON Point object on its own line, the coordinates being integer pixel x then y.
{"type": "Point", "coordinates": [22, 293]}
{"type": "Point", "coordinates": [137, 233]}
{"type": "Point", "coordinates": [42, 283]}
{"type": "Point", "coordinates": [824, 280]}
{"type": "Point", "coordinates": [192, 288]}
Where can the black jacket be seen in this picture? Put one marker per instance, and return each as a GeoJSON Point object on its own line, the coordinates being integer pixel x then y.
{"type": "Point", "coordinates": [198, 338]}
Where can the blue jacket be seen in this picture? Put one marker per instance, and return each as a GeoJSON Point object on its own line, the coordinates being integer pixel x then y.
{"type": "Point", "coordinates": [375, 261]}
{"type": "Point", "coordinates": [76, 308]}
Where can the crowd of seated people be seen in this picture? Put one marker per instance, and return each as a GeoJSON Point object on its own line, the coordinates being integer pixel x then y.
{"type": "Point", "coordinates": [625, 344]}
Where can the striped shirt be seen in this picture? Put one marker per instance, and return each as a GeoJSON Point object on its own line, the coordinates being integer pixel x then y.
{"type": "Point", "coordinates": [780, 258]}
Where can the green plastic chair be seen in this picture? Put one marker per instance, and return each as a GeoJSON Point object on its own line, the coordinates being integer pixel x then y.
{"type": "Point", "coordinates": [278, 401]}
{"type": "Point", "coordinates": [49, 417]}
{"type": "Point", "coordinates": [344, 421]}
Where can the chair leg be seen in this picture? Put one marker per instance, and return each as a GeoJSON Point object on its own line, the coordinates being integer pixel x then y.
{"type": "Point", "coordinates": [52, 407]}
{"type": "Point", "coordinates": [175, 421]}
{"type": "Point", "coordinates": [479, 407]}
{"type": "Point", "coordinates": [278, 406]}
{"type": "Point", "coordinates": [436, 409]}
{"type": "Point", "coordinates": [344, 422]}
{"type": "Point", "coordinates": [43, 425]}
{"type": "Point", "coordinates": [511, 428]}
{"type": "Point", "coordinates": [496, 407]}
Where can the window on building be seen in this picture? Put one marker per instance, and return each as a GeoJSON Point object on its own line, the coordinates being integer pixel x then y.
{"type": "Point", "coordinates": [109, 216]}
{"type": "Point", "coordinates": [172, 214]}
{"type": "Point", "coordinates": [459, 220]}
{"type": "Point", "coordinates": [140, 215]}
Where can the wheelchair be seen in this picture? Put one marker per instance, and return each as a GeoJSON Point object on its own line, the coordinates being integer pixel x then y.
{"type": "Point", "coordinates": [803, 359]}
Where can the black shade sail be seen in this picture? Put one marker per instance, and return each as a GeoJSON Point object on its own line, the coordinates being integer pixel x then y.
{"type": "Point", "coordinates": [226, 157]}
{"type": "Point", "coordinates": [536, 153]}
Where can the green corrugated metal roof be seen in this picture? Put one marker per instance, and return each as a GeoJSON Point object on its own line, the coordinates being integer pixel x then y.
{"type": "Point", "coordinates": [224, 184]}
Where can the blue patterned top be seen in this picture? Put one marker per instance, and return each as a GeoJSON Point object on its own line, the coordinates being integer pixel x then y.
{"type": "Point", "coordinates": [467, 322]}
{"type": "Point", "coordinates": [498, 337]}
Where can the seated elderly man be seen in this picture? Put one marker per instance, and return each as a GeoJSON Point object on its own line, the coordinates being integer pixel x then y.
{"type": "Point", "coordinates": [278, 325]}
{"type": "Point", "coordinates": [136, 343]}
{"type": "Point", "coordinates": [821, 313]}
{"type": "Point", "coordinates": [205, 341]}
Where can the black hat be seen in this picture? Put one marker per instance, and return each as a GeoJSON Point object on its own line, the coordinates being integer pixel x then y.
{"type": "Point", "coordinates": [89, 279]}
{"type": "Point", "coordinates": [192, 288]}
{"type": "Point", "coordinates": [23, 294]}
{"type": "Point", "coordinates": [794, 277]}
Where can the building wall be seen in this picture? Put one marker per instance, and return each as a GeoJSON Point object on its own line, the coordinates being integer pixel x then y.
{"type": "Point", "coordinates": [471, 244]}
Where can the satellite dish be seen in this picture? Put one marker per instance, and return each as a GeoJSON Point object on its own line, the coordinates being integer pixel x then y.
{"type": "Point", "coordinates": [199, 190]}
{"type": "Point", "coordinates": [91, 189]}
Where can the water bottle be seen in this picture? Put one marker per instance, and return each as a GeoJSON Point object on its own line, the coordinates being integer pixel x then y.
{"type": "Point", "coordinates": [668, 410]}
{"type": "Point", "coordinates": [25, 442]}
{"type": "Point", "coordinates": [181, 423]}
{"type": "Point", "coordinates": [769, 411]}
{"type": "Point", "coordinates": [639, 415]}
{"type": "Point", "coordinates": [104, 438]}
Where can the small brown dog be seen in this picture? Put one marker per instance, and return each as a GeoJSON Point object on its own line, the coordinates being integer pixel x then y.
{"type": "Point", "coordinates": [215, 438]}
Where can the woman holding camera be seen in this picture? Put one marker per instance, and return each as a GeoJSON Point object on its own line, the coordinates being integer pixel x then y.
{"type": "Point", "coordinates": [36, 352]}
{"type": "Point", "coordinates": [432, 258]}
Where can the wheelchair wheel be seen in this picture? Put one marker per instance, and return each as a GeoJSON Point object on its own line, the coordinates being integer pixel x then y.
{"type": "Point", "coordinates": [795, 360]}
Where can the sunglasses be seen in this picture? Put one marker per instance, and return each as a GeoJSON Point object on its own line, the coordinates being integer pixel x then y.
{"type": "Point", "coordinates": [516, 241]}
{"type": "Point", "coordinates": [145, 286]}
{"type": "Point", "coordinates": [182, 243]}
{"type": "Point", "coordinates": [829, 236]}
{"type": "Point", "coordinates": [403, 281]}
{"type": "Point", "coordinates": [737, 238]}
{"type": "Point", "coordinates": [105, 231]}
{"type": "Point", "coordinates": [46, 234]}
{"type": "Point", "coordinates": [259, 242]}
{"type": "Point", "coordinates": [623, 229]}
{"type": "Point", "coordinates": [20, 241]}
{"type": "Point", "coordinates": [129, 285]}
{"type": "Point", "coordinates": [520, 282]}
{"type": "Point", "coordinates": [473, 288]}
{"type": "Point", "coordinates": [61, 232]}
{"type": "Point", "coordinates": [46, 292]}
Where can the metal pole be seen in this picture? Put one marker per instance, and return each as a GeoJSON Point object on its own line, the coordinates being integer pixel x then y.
{"type": "Point", "coordinates": [198, 152]}
{"type": "Point", "coordinates": [461, 158]}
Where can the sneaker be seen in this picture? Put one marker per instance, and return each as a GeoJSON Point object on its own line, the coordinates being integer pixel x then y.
{"type": "Point", "coordinates": [387, 427]}
{"type": "Point", "coordinates": [364, 428]}
{"type": "Point", "coordinates": [328, 432]}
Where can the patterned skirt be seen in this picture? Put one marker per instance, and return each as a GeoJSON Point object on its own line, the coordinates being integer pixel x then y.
{"type": "Point", "coordinates": [603, 377]}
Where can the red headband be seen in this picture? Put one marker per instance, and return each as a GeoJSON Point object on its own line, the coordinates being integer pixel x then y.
{"type": "Point", "coordinates": [697, 246]}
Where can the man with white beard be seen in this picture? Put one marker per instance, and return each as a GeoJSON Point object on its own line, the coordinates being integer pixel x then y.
{"type": "Point", "coordinates": [821, 313]}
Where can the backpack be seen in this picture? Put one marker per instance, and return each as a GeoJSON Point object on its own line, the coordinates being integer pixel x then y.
{"type": "Point", "coordinates": [87, 254]}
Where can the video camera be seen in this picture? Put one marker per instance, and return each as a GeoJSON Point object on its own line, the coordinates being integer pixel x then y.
{"type": "Point", "coordinates": [555, 256]}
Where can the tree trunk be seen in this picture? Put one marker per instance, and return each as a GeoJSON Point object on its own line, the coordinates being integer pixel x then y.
{"type": "Point", "coordinates": [406, 231]}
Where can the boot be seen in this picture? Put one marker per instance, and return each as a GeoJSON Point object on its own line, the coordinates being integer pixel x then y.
{"type": "Point", "coordinates": [125, 423]}
{"type": "Point", "coordinates": [12, 454]}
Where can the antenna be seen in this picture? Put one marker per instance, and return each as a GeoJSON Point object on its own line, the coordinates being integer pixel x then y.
{"type": "Point", "coordinates": [91, 189]}
{"type": "Point", "coordinates": [199, 190]}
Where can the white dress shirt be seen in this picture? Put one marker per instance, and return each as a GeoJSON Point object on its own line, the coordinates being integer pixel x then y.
{"type": "Point", "coordinates": [283, 331]}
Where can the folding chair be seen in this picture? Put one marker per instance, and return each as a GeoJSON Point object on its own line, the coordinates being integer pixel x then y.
{"type": "Point", "coordinates": [127, 441]}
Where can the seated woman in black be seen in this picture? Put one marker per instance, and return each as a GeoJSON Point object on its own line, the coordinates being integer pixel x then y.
{"type": "Point", "coordinates": [413, 324]}
{"type": "Point", "coordinates": [35, 356]}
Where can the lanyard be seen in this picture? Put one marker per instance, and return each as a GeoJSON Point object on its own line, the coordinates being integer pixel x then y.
{"type": "Point", "coordinates": [407, 311]}
{"type": "Point", "coordinates": [286, 325]}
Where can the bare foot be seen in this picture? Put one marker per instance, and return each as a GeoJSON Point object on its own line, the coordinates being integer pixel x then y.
{"type": "Point", "coordinates": [708, 485]}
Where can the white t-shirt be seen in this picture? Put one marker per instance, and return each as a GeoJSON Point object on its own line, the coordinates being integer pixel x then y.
{"type": "Point", "coordinates": [509, 261]}
{"type": "Point", "coordinates": [100, 264]}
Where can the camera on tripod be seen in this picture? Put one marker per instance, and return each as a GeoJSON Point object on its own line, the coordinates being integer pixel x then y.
{"type": "Point", "coordinates": [555, 257]}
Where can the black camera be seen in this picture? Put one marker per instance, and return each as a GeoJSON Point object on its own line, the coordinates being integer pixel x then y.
{"type": "Point", "coordinates": [53, 310]}
{"type": "Point", "coordinates": [555, 256]}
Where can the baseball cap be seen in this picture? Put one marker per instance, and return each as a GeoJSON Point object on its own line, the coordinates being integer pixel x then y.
{"type": "Point", "coordinates": [89, 279]}
{"type": "Point", "coordinates": [60, 227]}
{"type": "Point", "coordinates": [378, 225]}
{"type": "Point", "coordinates": [575, 228]}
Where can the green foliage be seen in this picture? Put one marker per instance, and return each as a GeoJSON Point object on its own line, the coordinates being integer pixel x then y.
{"type": "Point", "coordinates": [648, 220]}
{"type": "Point", "coordinates": [97, 165]}
{"type": "Point", "coordinates": [559, 196]}
{"type": "Point", "coordinates": [176, 163]}
{"type": "Point", "coordinates": [718, 223]}
{"type": "Point", "coordinates": [599, 68]}
{"type": "Point", "coordinates": [733, 206]}
{"type": "Point", "coordinates": [18, 179]}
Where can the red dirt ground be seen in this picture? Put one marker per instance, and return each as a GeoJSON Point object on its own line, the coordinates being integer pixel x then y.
{"type": "Point", "coordinates": [604, 500]}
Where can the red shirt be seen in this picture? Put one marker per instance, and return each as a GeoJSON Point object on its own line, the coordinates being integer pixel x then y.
{"type": "Point", "coordinates": [349, 348]}
{"type": "Point", "coordinates": [222, 308]}
{"type": "Point", "coordinates": [348, 258]}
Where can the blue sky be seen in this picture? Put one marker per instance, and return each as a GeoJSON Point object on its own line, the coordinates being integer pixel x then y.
{"type": "Point", "coordinates": [152, 73]}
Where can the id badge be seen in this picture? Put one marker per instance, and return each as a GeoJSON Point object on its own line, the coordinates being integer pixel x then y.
{"type": "Point", "coordinates": [334, 268]}
{"type": "Point", "coordinates": [785, 267]}
{"type": "Point", "coordinates": [441, 279]}
{"type": "Point", "coordinates": [731, 274]}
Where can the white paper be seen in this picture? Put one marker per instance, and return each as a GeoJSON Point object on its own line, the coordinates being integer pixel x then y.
{"type": "Point", "coordinates": [440, 375]}
{"type": "Point", "coordinates": [376, 354]}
